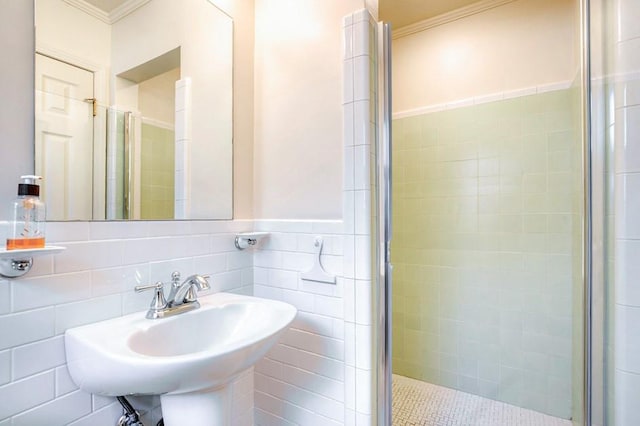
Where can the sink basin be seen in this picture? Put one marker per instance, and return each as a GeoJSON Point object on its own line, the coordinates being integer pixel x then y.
{"type": "Point", "coordinates": [187, 359]}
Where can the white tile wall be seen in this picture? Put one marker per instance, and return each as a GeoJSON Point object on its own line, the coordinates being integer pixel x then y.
{"type": "Point", "coordinates": [321, 371]}
{"type": "Point", "coordinates": [112, 133]}
{"type": "Point", "coordinates": [301, 380]}
{"type": "Point", "coordinates": [93, 280]}
{"type": "Point", "coordinates": [626, 210]}
{"type": "Point", "coordinates": [183, 141]}
{"type": "Point", "coordinates": [360, 121]}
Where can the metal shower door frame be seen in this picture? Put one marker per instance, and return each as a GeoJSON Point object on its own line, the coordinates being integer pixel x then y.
{"type": "Point", "coordinates": [383, 212]}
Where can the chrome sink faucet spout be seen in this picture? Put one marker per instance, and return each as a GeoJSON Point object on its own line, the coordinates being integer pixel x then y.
{"type": "Point", "coordinates": [182, 298]}
{"type": "Point", "coordinates": [187, 291]}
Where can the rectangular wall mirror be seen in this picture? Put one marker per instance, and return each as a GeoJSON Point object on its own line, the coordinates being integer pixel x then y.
{"type": "Point", "coordinates": [134, 109]}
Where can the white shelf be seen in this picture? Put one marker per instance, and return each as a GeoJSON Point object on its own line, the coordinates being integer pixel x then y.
{"type": "Point", "coordinates": [26, 253]}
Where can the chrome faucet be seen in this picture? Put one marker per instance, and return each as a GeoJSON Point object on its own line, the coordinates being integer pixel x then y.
{"type": "Point", "coordinates": [187, 291]}
{"type": "Point", "coordinates": [182, 298]}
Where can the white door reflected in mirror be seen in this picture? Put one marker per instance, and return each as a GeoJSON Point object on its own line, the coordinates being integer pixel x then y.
{"type": "Point", "coordinates": [64, 138]}
{"type": "Point", "coordinates": [150, 136]}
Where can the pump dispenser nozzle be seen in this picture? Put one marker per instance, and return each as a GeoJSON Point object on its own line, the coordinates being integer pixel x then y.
{"type": "Point", "coordinates": [30, 179]}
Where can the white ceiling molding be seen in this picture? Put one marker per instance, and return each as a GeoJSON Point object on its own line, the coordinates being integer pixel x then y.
{"type": "Point", "coordinates": [110, 18]}
{"type": "Point", "coordinates": [89, 9]}
{"type": "Point", "coordinates": [372, 6]}
{"type": "Point", "coordinates": [126, 8]}
{"type": "Point", "coordinates": [445, 18]}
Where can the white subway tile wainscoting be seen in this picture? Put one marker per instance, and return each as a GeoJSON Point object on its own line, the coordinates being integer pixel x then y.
{"type": "Point", "coordinates": [321, 373]}
{"type": "Point", "coordinates": [93, 280]}
{"type": "Point", "coordinates": [622, 130]}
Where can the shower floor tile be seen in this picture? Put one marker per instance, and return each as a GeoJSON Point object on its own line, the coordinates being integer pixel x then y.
{"type": "Point", "coordinates": [419, 403]}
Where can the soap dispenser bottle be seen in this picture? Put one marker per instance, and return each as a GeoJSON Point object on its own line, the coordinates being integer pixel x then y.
{"type": "Point", "coordinates": [27, 215]}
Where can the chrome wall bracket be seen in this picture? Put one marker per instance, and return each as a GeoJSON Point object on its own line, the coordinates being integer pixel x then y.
{"type": "Point", "coordinates": [249, 239]}
{"type": "Point", "coordinates": [16, 263]}
{"type": "Point", "coordinates": [13, 268]}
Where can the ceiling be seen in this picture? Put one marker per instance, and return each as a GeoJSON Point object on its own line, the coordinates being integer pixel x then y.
{"type": "Point", "coordinates": [406, 12]}
{"type": "Point", "coordinates": [399, 12]}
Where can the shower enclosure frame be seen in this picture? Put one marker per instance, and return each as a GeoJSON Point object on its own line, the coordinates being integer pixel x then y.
{"type": "Point", "coordinates": [382, 266]}
{"type": "Point", "coordinates": [382, 211]}
{"type": "Point", "coordinates": [587, 247]}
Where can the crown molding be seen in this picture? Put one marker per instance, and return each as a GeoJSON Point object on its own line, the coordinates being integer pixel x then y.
{"type": "Point", "coordinates": [372, 6]}
{"type": "Point", "coordinates": [125, 9]}
{"type": "Point", "coordinates": [109, 18]}
{"type": "Point", "coordinates": [448, 17]}
{"type": "Point", "coordinates": [89, 9]}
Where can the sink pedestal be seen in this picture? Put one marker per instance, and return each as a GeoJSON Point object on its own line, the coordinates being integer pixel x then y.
{"type": "Point", "coordinates": [204, 408]}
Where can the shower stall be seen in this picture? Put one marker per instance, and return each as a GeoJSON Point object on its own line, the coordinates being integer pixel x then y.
{"type": "Point", "coordinates": [140, 178]}
{"type": "Point", "coordinates": [487, 315]}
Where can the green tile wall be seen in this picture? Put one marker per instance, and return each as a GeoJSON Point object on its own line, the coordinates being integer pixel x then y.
{"type": "Point", "coordinates": [157, 168]}
{"type": "Point", "coordinates": [578, 361]}
{"type": "Point", "coordinates": [483, 246]}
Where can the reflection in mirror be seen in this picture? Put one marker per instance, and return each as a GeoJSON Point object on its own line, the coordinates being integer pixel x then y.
{"type": "Point", "coordinates": [134, 109]}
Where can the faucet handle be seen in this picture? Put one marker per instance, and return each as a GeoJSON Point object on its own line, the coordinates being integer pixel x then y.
{"type": "Point", "coordinates": [141, 288]}
{"type": "Point", "coordinates": [158, 302]}
{"type": "Point", "coordinates": [202, 281]}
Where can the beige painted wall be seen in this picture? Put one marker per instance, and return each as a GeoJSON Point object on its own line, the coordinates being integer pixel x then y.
{"type": "Point", "coordinates": [156, 96]}
{"type": "Point", "coordinates": [73, 32]}
{"type": "Point", "coordinates": [17, 105]}
{"type": "Point", "coordinates": [242, 12]}
{"type": "Point", "coordinates": [298, 108]}
{"type": "Point", "coordinates": [519, 45]}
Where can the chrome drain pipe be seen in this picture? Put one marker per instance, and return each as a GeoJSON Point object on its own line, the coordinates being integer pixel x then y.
{"type": "Point", "coordinates": [130, 417]}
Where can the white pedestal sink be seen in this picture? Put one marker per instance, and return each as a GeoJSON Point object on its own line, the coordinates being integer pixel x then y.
{"type": "Point", "coordinates": [188, 359]}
